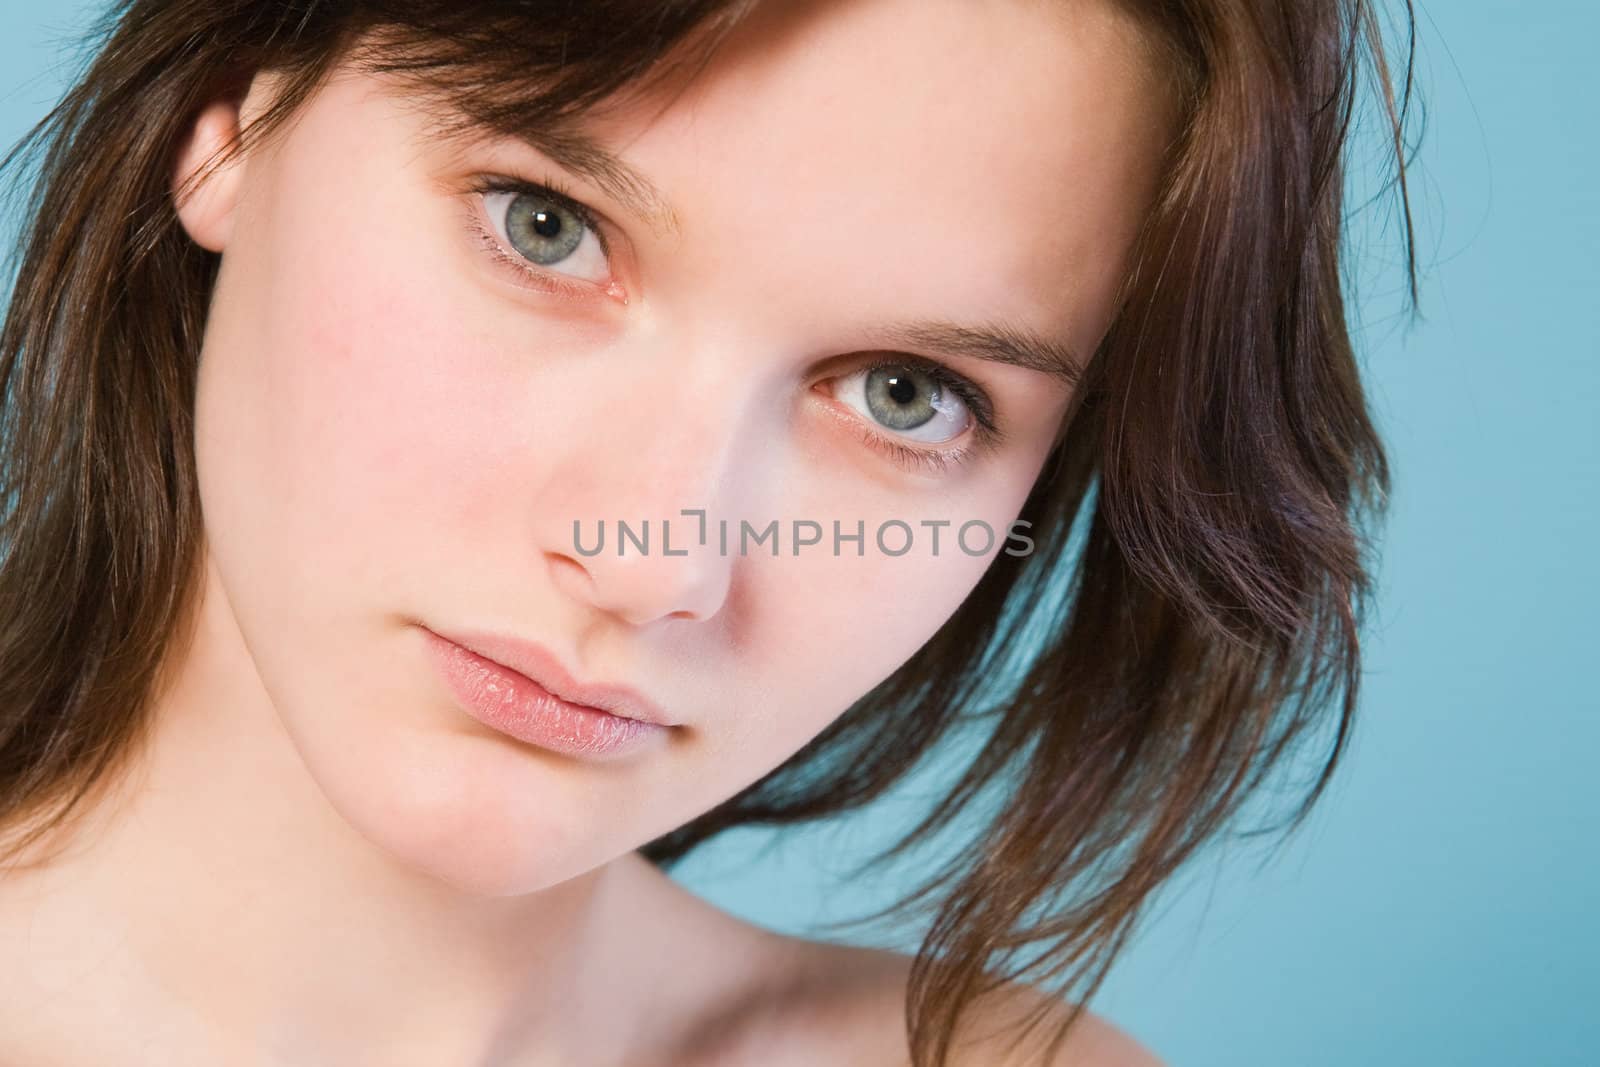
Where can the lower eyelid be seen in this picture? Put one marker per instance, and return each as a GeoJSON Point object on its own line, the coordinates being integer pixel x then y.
{"type": "Point", "coordinates": [938, 460]}
{"type": "Point", "coordinates": [529, 277]}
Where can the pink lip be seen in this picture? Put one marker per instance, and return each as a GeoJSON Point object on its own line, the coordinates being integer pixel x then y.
{"type": "Point", "coordinates": [520, 689]}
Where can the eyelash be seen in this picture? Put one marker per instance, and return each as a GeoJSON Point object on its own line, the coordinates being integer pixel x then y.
{"type": "Point", "coordinates": [986, 436]}
{"type": "Point", "coordinates": [527, 272]}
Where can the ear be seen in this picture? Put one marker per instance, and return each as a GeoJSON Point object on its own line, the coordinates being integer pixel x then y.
{"type": "Point", "coordinates": [206, 208]}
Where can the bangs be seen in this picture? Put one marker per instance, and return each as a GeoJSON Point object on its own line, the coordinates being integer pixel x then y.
{"type": "Point", "coordinates": [531, 71]}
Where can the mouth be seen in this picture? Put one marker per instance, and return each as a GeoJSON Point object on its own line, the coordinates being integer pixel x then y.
{"type": "Point", "coordinates": [535, 704]}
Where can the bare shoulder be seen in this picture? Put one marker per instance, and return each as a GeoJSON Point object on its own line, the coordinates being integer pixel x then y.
{"type": "Point", "coordinates": [1092, 1040]}
{"type": "Point", "coordinates": [782, 1001]}
{"type": "Point", "coordinates": [861, 999]}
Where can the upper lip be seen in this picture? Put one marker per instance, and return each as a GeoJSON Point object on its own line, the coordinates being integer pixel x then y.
{"type": "Point", "coordinates": [542, 667]}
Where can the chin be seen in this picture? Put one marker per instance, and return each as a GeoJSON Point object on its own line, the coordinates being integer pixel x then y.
{"type": "Point", "coordinates": [474, 813]}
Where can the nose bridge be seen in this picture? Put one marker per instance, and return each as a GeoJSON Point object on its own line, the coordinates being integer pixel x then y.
{"type": "Point", "coordinates": [666, 438]}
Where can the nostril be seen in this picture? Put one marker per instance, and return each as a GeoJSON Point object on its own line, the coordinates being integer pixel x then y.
{"type": "Point", "coordinates": [569, 575]}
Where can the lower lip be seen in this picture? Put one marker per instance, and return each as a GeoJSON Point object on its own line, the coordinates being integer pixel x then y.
{"type": "Point", "coordinates": [516, 705]}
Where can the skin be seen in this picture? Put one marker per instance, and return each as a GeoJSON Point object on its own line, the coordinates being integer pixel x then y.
{"type": "Point", "coordinates": [394, 428]}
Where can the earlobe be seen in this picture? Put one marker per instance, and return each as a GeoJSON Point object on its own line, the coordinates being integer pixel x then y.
{"type": "Point", "coordinates": [206, 206]}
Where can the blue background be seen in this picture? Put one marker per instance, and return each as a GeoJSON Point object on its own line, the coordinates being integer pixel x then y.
{"type": "Point", "coordinates": [1439, 906]}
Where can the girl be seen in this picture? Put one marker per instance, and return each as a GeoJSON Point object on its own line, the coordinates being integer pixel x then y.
{"type": "Point", "coordinates": [947, 366]}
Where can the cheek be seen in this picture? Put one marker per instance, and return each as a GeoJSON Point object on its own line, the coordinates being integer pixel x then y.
{"type": "Point", "coordinates": [825, 629]}
{"type": "Point", "coordinates": [369, 408]}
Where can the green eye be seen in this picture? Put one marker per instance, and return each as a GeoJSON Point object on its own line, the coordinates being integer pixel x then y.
{"type": "Point", "coordinates": [542, 230]}
{"type": "Point", "coordinates": [902, 398]}
{"type": "Point", "coordinates": [909, 401]}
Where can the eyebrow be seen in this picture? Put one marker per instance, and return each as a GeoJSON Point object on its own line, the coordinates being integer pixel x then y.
{"type": "Point", "coordinates": [998, 343]}
{"type": "Point", "coordinates": [580, 153]}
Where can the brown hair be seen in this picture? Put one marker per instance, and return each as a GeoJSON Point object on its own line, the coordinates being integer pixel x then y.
{"type": "Point", "coordinates": [1202, 529]}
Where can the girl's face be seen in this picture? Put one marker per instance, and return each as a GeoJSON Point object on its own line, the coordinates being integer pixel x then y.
{"type": "Point", "coordinates": [410, 389]}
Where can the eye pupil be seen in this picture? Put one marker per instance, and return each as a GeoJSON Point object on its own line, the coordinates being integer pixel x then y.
{"type": "Point", "coordinates": [546, 224]}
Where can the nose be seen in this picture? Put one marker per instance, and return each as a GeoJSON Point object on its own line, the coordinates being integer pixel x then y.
{"type": "Point", "coordinates": [669, 440]}
{"type": "Point", "coordinates": [640, 588]}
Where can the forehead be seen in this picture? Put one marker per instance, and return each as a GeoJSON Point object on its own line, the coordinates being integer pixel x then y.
{"type": "Point", "coordinates": [994, 156]}
{"type": "Point", "coordinates": [971, 161]}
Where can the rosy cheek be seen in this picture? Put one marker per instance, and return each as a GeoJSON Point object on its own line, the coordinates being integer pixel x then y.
{"type": "Point", "coordinates": [836, 605]}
